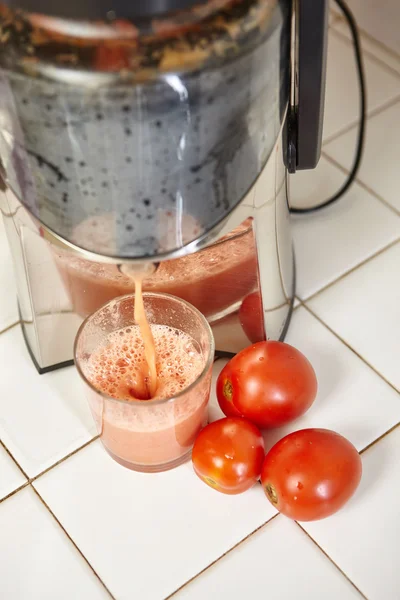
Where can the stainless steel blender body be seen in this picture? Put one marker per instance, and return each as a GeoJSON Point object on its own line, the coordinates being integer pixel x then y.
{"type": "Point", "coordinates": [141, 141]}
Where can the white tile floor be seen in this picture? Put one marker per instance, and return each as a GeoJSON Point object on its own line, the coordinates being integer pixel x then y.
{"type": "Point", "coordinates": [363, 308]}
{"type": "Point", "coordinates": [371, 47]}
{"type": "Point", "coordinates": [341, 107]}
{"type": "Point", "coordinates": [39, 432]}
{"type": "Point", "coordinates": [11, 477]}
{"type": "Point", "coordinates": [379, 170]}
{"type": "Point", "coordinates": [268, 554]}
{"type": "Point", "coordinates": [146, 537]}
{"type": "Point", "coordinates": [332, 241]}
{"type": "Point", "coordinates": [380, 20]}
{"type": "Point", "coordinates": [38, 561]}
{"type": "Point", "coordinates": [171, 520]}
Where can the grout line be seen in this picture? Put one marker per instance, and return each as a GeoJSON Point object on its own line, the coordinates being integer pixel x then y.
{"type": "Point", "coordinates": [61, 460]}
{"type": "Point", "coordinates": [18, 489]}
{"type": "Point", "coordinates": [16, 462]}
{"type": "Point", "coordinates": [372, 39]}
{"type": "Point", "coordinates": [349, 347]}
{"type": "Point", "coordinates": [351, 270]}
{"type": "Point", "coordinates": [370, 54]}
{"type": "Point", "coordinates": [31, 480]}
{"type": "Point", "coordinates": [220, 557]}
{"type": "Point", "coordinates": [333, 18]}
{"type": "Point", "coordinates": [381, 45]}
{"type": "Point", "coordinates": [334, 162]}
{"type": "Point", "coordinates": [373, 193]}
{"type": "Point", "coordinates": [339, 34]}
{"type": "Point", "coordinates": [359, 182]}
{"type": "Point", "coordinates": [9, 327]}
{"type": "Point", "coordinates": [369, 115]}
{"type": "Point", "coordinates": [332, 561]}
{"type": "Point", "coordinates": [72, 541]}
{"type": "Point", "coordinates": [378, 439]}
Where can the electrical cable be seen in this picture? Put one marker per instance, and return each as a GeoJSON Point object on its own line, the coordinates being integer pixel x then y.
{"type": "Point", "coordinates": [361, 127]}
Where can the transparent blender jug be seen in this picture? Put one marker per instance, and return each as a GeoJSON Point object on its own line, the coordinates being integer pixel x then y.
{"type": "Point", "coordinates": [145, 133]}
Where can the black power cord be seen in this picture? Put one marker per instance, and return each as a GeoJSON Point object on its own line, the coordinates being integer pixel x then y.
{"type": "Point", "coordinates": [361, 127]}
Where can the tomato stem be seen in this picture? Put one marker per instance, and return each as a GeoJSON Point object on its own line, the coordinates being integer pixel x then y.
{"type": "Point", "coordinates": [228, 390]}
{"type": "Point", "coordinates": [271, 493]}
{"type": "Point", "coordinates": [210, 481]}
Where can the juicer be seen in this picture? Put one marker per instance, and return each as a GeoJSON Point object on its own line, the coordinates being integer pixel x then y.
{"type": "Point", "coordinates": [155, 134]}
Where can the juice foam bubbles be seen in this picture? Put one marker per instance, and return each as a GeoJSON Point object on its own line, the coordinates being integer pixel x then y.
{"type": "Point", "coordinates": [120, 362]}
{"type": "Point", "coordinates": [148, 431]}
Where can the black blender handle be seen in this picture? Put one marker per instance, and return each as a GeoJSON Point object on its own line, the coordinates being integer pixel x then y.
{"type": "Point", "coordinates": [312, 30]}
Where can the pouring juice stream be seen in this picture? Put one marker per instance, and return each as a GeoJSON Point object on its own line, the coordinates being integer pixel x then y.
{"type": "Point", "coordinates": [149, 383]}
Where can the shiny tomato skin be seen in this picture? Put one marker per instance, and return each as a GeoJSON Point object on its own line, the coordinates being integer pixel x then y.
{"type": "Point", "coordinates": [228, 455]}
{"type": "Point", "coordinates": [225, 395]}
{"type": "Point", "coordinates": [251, 317]}
{"type": "Point", "coordinates": [310, 474]}
{"type": "Point", "coordinates": [269, 383]}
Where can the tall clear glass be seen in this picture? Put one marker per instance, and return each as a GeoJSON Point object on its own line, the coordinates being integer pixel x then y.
{"type": "Point", "coordinates": [147, 435]}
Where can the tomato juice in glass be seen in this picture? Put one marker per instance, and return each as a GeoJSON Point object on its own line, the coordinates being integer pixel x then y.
{"type": "Point", "coordinates": [147, 434]}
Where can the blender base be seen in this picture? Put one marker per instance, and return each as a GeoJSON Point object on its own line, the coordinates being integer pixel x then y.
{"type": "Point", "coordinates": [42, 370]}
{"type": "Point", "coordinates": [226, 354]}
{"type": "Point", "coordinates": [284, 329]}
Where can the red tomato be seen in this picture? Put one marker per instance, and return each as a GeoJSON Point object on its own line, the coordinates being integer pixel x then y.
{"type": "Point", "coordinates": [224, 395]}
{"type": "Point", "coordinates": [251, 317]}
{"type": "Point", "coordinates": [310, 474]}
{"type": "Point", "coordinates": [228, 455]}
{"type": "Point", "coordinates": [269, 383]}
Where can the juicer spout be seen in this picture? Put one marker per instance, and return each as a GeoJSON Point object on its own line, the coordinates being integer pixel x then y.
{"type": "Point", "coordinates": [134, 269]}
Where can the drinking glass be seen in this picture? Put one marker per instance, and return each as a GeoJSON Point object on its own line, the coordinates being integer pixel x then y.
{"type": "Point", "coordinates": [147, 435]}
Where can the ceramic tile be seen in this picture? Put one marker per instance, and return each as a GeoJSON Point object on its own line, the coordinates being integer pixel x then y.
{"type": "Point", "coordinates": [11, 477]}
{"type": "Point", "coordinates": [8, 301]}
{"type": "Point", "coordinates": [310, 188]}
{"type": "Point", "coordinates": [364, 309]}
{"type": "Point", "coordinates": [363, 538]}
{"type": "Point", "coordinates": [380, 20]}
{"type": "Point", "coordinates": [42, 417]}
{"type": "Point", "coordinates": [379, 169]}
{"type": "Point", "coordinates": [289, 550]}
{"type": "Point", "coordinates": [130, 525]}
{"type": "Point", "coordinates": [342, 94]}
{"type": "Point", "coordinates": [38, 560]}
{"type": "Point", "coordinates": [370, 46]}
{"type": "Point", "coordinates": [347, 388]}
{"type": "Point", "coordinates": [330, 242]}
